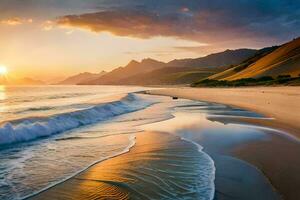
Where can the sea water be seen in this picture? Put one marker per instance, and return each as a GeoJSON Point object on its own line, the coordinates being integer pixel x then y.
{"type": "Point", "coordinates": [48, 134]}
{"type": "Point", "coordinates": [33, 119]}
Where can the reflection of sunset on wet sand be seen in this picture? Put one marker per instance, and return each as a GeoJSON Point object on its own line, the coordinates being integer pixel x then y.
{"type": "Point", "coordinates": [159, 165]}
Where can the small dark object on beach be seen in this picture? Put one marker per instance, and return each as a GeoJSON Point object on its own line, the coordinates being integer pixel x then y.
{"type": "Point", "coordinates": [174, 98]}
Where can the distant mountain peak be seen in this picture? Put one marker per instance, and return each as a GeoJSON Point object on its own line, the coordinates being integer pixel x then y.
{"type": "Point", "coordinates": [215, 60]}
{"type": "Point", "coordinates": [149, 60]}
{"type": "Point", "coordinates": [81, 77]}
{"type": "Point", "coordinates": [133, 62]}
{"type": "Point", "coordinates": [161, 71]}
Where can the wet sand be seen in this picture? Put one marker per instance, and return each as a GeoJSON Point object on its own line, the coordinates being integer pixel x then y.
{"type": "Point", "coordinates": [162, 166]}
{"type": "Point", "coordinates": [277, 157]}
{"type": "Point", "coordinates": [281, 103]}
{"type": "Point", "coordinates": [279, 160]}
{"type": "Point", "coordinates": [158, 166]}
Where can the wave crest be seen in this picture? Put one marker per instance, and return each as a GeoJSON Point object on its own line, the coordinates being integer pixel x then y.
{"type": "Point", "coordinates": [31, 128]}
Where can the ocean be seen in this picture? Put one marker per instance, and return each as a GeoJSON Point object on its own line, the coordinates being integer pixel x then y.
{"type": "Point", "coordinates": [48, 134]}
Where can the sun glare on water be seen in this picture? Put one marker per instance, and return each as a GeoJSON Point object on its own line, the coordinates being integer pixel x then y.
{"type": "Point", "coordinates": [3, 70]}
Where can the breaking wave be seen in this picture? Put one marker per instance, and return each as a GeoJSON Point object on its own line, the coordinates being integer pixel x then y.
{"type": "Point", "coordinates": [27, 129]}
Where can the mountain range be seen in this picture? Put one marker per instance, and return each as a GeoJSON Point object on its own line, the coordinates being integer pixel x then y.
{"type": "Point", "coordinates": [228, 65]}
{"type": "Point", "coordinates": [183, 71]}
{"type": "Point", "coordinates": [78, 78]}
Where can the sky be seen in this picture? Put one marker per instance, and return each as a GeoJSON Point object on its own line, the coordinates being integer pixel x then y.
{"type": "Point", "coordinates": [48, 39]}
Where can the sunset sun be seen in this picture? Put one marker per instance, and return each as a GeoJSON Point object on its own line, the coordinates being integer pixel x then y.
{"type": "Point", "coordinates": [3, 70]}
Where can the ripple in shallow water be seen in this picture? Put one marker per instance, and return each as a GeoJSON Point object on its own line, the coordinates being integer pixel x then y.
{"type": "Point", "coordinates": [160, 166]}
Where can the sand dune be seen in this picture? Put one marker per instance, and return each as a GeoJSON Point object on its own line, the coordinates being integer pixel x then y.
{"type": "Point", "coordinates": [281, 61]}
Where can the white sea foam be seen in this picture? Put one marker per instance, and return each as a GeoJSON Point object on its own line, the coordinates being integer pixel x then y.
{"type": "Point", "coordinates": [32, 128]}
{"type": "Point", "coordinates": [212, 171]}
{"type": "Point", "coordinates": [132, 142]}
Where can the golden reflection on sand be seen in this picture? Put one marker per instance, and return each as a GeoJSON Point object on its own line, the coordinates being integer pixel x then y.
{"type": "Point", "coordinates": [183, 121]}
{"type": "Point", "coordinates": [158, 165]}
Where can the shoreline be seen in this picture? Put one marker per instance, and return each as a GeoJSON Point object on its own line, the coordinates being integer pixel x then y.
{"type": "Point", "coordinates": [147, 171]}
{"type": "Point", "coordinates": [131, 144]}
{"type": "Point", "coordinates": [280, 103]}
{"type": "Point", "coordinates": [278, 157]}
{"type": "Point", "coordinates": [240, 168]}
{"type": "Point", "coordinates": [161, 161]}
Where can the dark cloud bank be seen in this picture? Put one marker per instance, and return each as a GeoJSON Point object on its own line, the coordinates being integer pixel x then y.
{"type": "Point", "coordinates": [218, 22]}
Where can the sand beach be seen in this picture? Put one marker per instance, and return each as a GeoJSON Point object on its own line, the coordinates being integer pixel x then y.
{"type": "Point", "coordinates": [278, 157]}
{"type": "Point", "coordinates": [162, 164]}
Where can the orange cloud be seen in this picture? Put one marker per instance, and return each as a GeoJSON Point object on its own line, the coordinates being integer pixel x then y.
{"type": "Point", "coordinates": [16, 21]}
{"type": "Point", "coordinates": [119, 23]}
{"type": "Point", "coordinates": [12, 22]}
{"type": "Point", "coordinates": [205, 21]}
{"type": "Point", "coordinates": [48, 25]}
{"type": "Point", "coordinates": [199, 27]}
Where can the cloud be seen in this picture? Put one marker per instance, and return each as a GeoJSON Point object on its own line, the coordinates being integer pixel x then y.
{"type": "Point", "coordinates": [126, 23]}
{"type": "Point", "coordinates": [204, 21]}
{"type": "Point", "coordinates": [48, 25]}
{"type": "Point", "coordinates": [16, 21]}
{"type": "Point", "coordinates": [147, 24]}
{"type": "Point", "coordinates": [12, 21]}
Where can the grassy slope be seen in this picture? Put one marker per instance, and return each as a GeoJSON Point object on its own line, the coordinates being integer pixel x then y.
{"type": "Point", "coordinates": [243, 65]}
{"type": "Point", "coordinates": [272, 61]}
{"type": "Point", "coordinates": [284, 60]}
